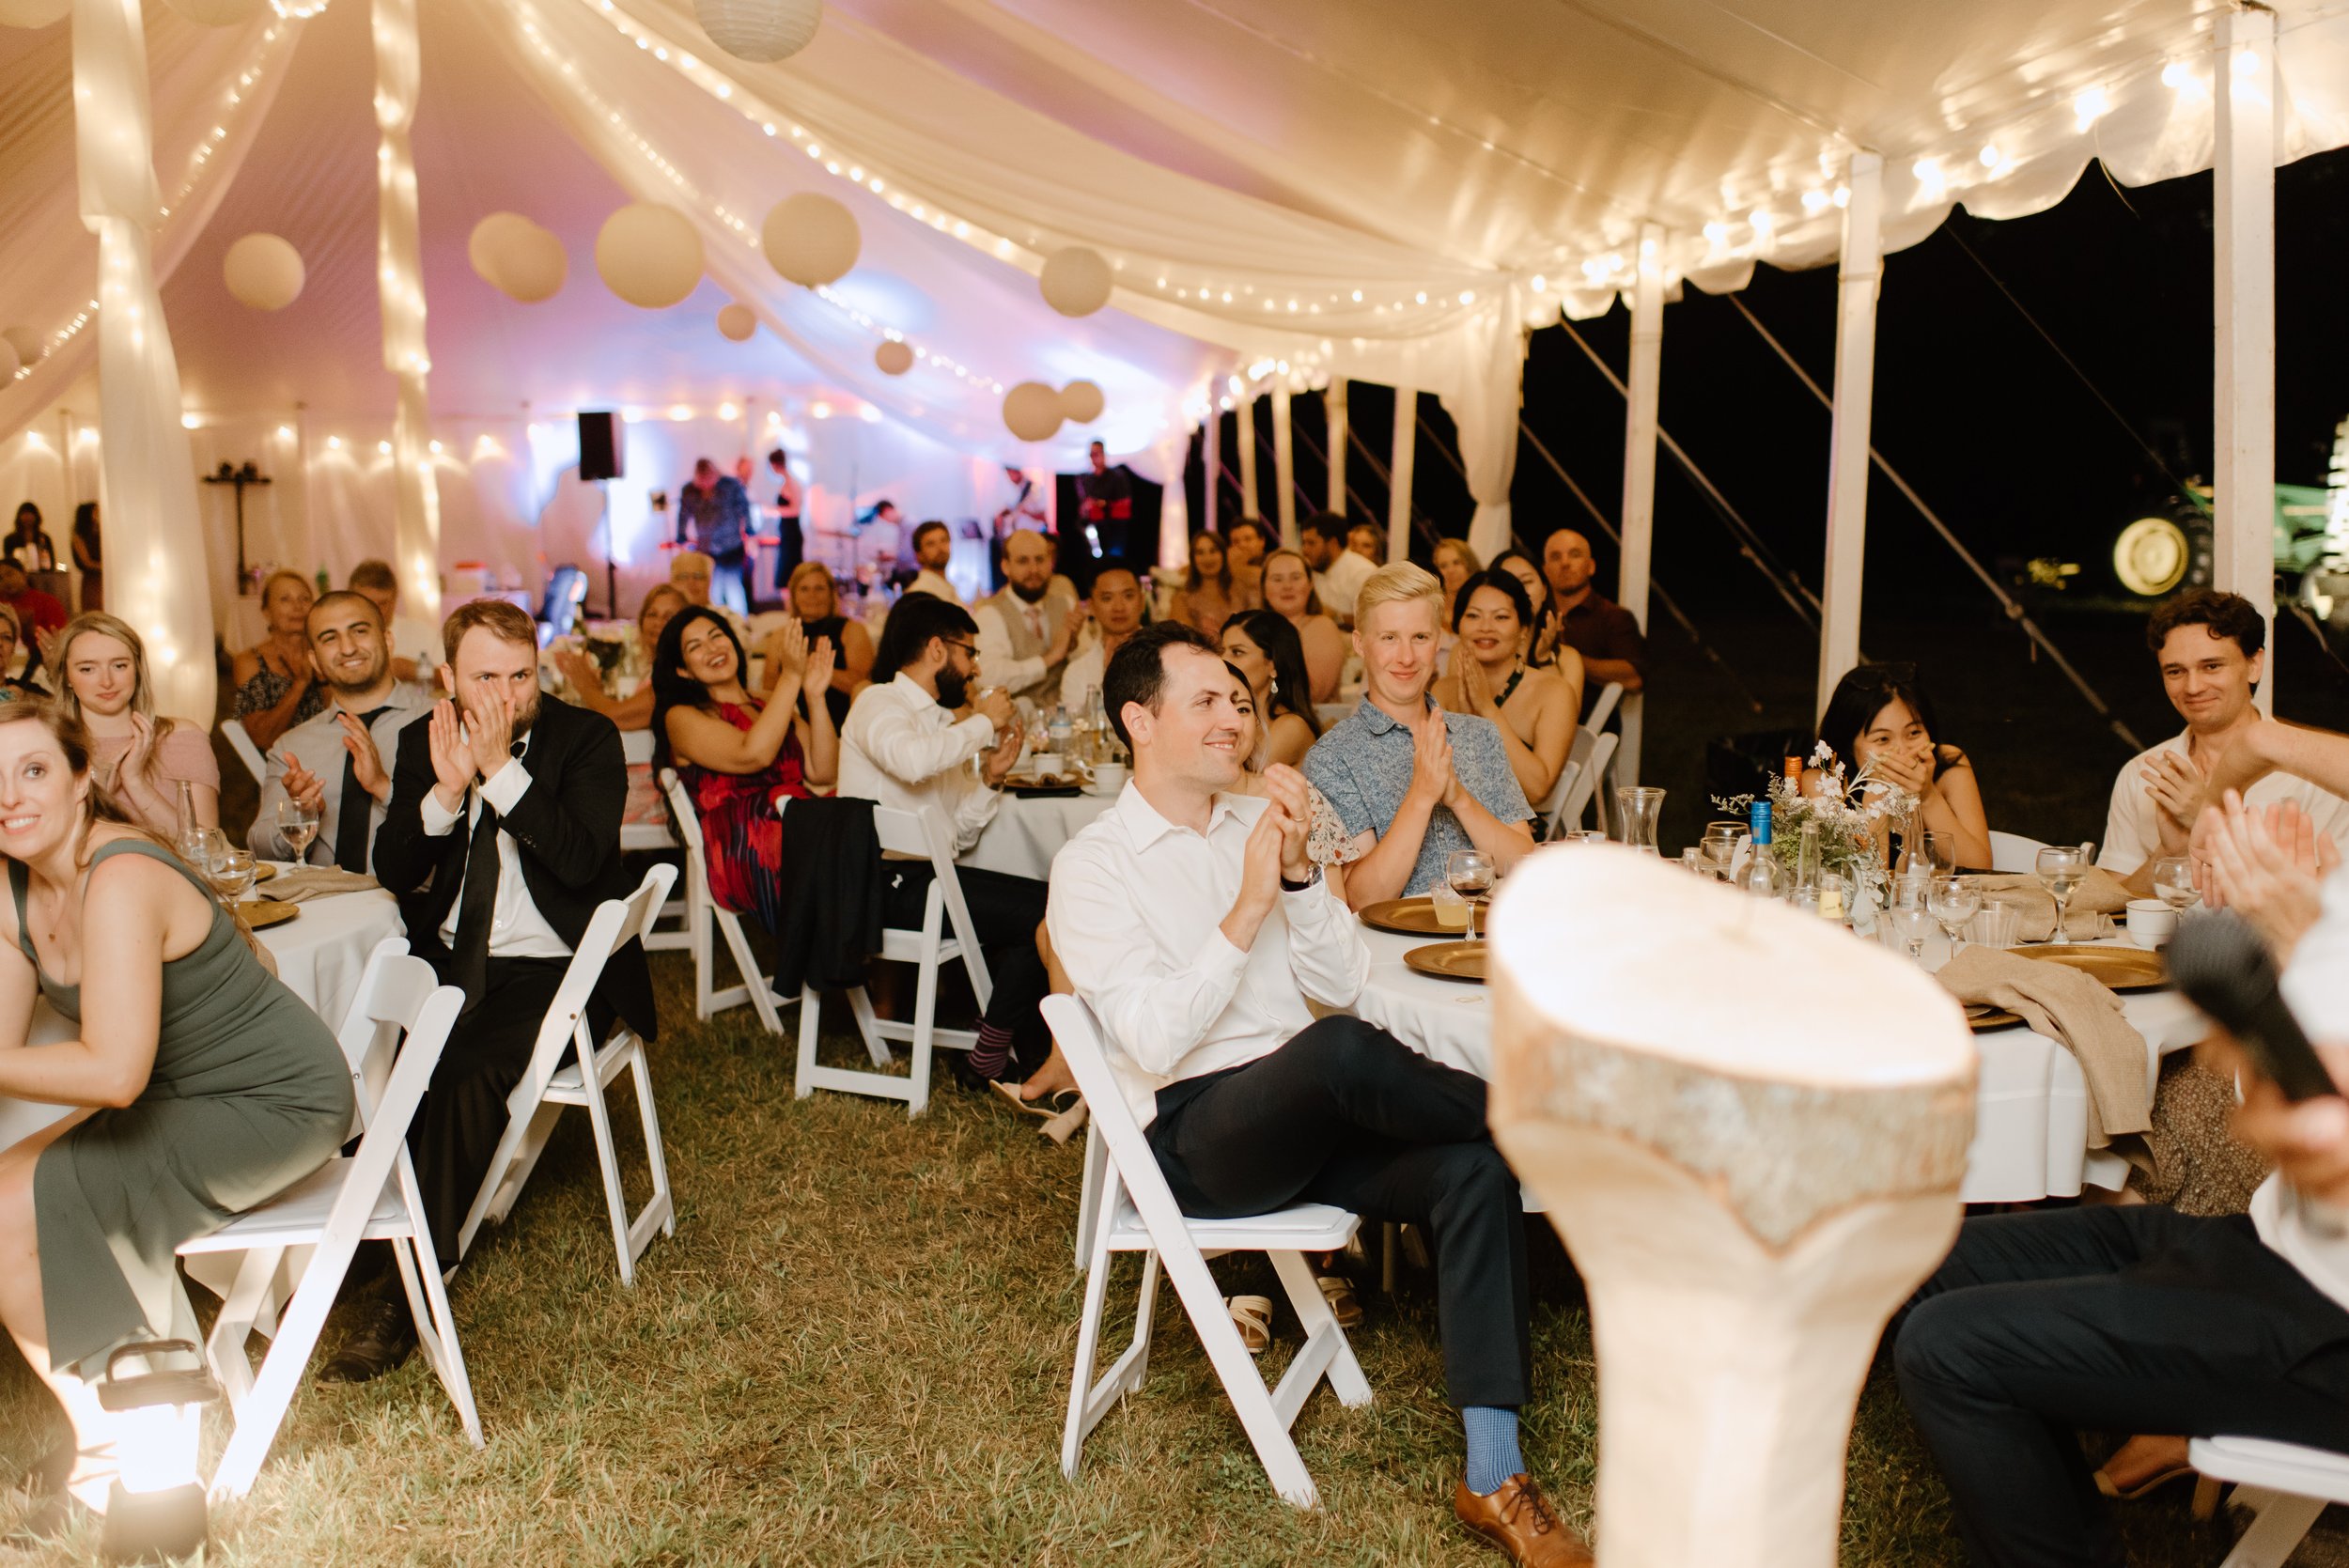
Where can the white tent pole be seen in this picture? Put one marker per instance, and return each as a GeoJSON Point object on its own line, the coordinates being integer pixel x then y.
{"type": "Point", "coordinates": [1284, 462]}
{"type": "Point", "coordinates": [1848, 447]}
{"type": "Point", "coordinates": [1246, 435]}
{"type": "Point", "coordinates": [399, 276]}
{"type": "Point", "coordinates": [1399, 473]}
{"type": "Point", "coordinates": [1638, 469]}
{"type": "Point", "coordinates": [1211, 459]}
{"type": "Point", "coordinates": [1333, 407]}
{"type": "Point", "coordinates": [2244, 312]}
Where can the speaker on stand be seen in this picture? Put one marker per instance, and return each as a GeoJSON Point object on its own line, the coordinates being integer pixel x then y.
{"type": "Point", "coordinates": [600, 459]}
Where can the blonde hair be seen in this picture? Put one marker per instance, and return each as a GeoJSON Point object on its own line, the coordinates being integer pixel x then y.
{"type": "Point", "coordinates": [807, 569]}
{"type": "Point", "coordinates": [284, 575]}
{"type": "Point", "coordinates": [1264, 569]}
{"type": "Point", "coordinates": [694, 557]}
{"type": "Point", "coordinates": [1460, 548]}
{"type": "Point", "coordinates": [142, 694]}
{"type": "Point", "coordinates": [1396, 584]}
{"type": "Point", "coordinates": [507, 623]}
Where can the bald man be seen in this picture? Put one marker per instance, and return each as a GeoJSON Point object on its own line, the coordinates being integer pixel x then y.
{"type": "Point", "coordinates": [1026, 631]}
{"type": "Point", "coordinates": [1602, 631]}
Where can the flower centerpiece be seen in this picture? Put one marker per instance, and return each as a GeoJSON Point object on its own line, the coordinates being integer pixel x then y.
{"type": "Point", "coordinates": [1849, 811]}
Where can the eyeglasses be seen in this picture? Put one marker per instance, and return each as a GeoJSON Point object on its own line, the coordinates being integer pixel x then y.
{"type": "Point", "coordinates": [966, 647]}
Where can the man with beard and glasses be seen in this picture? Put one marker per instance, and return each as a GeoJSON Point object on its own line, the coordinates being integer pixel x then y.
{"type": "Point", "coordinates": [503, 837]}
{"type": "Point", "coordinates": [903, 748]}
{"type": "Point", "coordinates": [1025, 631]}
{"type": "Point", "coordinates": [333, 762]}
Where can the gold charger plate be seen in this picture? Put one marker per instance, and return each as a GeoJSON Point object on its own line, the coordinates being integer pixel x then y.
{"type": "Point", "coordinates": [264, 872]}
{"type": "Point", "coordinates": [1450, 960]}
{"type": "Point", "coordinates": [1407, 917]}
{"type": "Point", "coordinates": [262, 914]}
{"type": "Point", "coordinates": [1980, 1017]}
{"type": "Point", "coordinates": [2122, 969]}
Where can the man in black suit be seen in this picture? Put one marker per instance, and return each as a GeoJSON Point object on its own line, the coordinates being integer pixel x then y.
{"type": "Point", "coordinates": [501, 837]}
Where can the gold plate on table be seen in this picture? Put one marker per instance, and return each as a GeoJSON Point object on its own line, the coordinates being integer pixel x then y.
{"type": "Point", "coordinates": [2122, 969]}
{"type": "Point", "coordinates": [262, 872]}
{"type": "Point", "coordinates": [1980, 1017]}
{"type": "Point", "coordinates": [1407, 917]}
{"type": "Point", "coordinates": [1450, 960]}
{"type": "Point", "coordinates": [262, 914]}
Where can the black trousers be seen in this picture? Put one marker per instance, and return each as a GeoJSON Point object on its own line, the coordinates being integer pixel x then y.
{"type": "Point", "coordinates": [1004, 911]}
{"type": "Point", "coordinates": [1345, 1114]}
{"type": "Point", "coordinates": [2118, 1319]}
{"type": "Point", "coordinates": [464, 1114]}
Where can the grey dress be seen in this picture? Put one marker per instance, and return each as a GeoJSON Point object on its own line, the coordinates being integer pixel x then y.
{"type": "Point", "coordinates": [249, 1094]}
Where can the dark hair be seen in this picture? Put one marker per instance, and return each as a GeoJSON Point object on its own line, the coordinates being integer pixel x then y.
{"type": "Point", "coordinates": [2225, 614]}
{"type": "Point", "coordinates": [86, 518]}
{"type": "Point", "coordinates": [1263, 534]}
{"type": "Point", "coordinates": [1533, 566]}
{"type": "Point", "coordinates": [333, 595]}
{"type": "Point", "coordinates": [1862, 693]}
{"type": "Point", "coordinates": [922, 530]}
{"type": "Point", "coordinates": [778, 455]}
{"type": "Point", "coordinates": [1193, 581]}
{"type": "Point", "coordinates": [1500, 581]}
{"type": "Point", "coordinates": [374, 574]}
{"type": "Point", "coordinates": [507, 623]}
{"type": "Point", "coordinates": [883, 505]}
{"type": "Point", "coordinates": [1137, 672]}
{"type": "Point", "coordinates": [913, 620]}
{"type": "Point", "coordinates": [1292, 689]}
{"type": "Point", "coordinates": [1328, 525]}
{"type": "Point", "coordinates": [673, 686]}
{"type": "Point", "coordinates": [21, 509]}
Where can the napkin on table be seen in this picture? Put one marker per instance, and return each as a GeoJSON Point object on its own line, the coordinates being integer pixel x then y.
{"type": "Point", "coordinates": [2100, 893]}
{"type": "Point", "coordinates": [312, 881]}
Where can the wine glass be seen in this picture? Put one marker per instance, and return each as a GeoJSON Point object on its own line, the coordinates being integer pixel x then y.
{"type": "Point", "coordinates": [2173, 881]}
{"type": "Point", "coordinates": [1912, 923]}
{"type": "Point", "coordinates": [202, 849]}
{"type": "Point", "coordinates": [1953, 902]}
{"type": "Point", "coordinates": [231, 875]}
{"type": "Point", "coordinates": [1718, 849]}
{"type": "Point", "coordinates": [2062, 868]}
{"type": "Point", "coordinates": [296, 824]}
{"type": "Point", "coordinates": [1470, 874]}
{"type": "Point", "coordinates": [1940, 853]}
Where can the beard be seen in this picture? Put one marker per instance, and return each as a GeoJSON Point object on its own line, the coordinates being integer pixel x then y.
{"type": "Point", "coordinates": [953, 688]}
{"type": "Point", "coordinates": [1035, 594]}
{"type": "Point", "coordinates": [524, 718]}
{"type": "Point", "coordinates": [382, 667]}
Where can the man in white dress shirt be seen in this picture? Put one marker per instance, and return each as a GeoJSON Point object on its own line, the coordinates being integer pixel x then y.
{"type": "Point", "coordinates": [1026, 630]}
{"type": "Point", "coordinates": [903, 748]}
{"type": "Point", "coordinates": [1338, 572]}
{"type": "Point", "coordinates": [1192, 921]}
{"type": "Point", "coordinates": [2212, 650]}
{"type": "Point", "coordinates": [933, 547]}
{"type": "Point", "coordinates": [1117, 611]}
{"type": "Point", "coordinates": [335, 761]}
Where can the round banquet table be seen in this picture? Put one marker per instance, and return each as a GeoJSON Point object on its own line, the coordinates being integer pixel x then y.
{"type": "Point", "coordinates": [2030, 1116]}
{"type": "Point", "coordinates": [1029, 830]}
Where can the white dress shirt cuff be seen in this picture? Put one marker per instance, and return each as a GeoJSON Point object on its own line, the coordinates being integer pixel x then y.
{"type": "Point", "coordinates": [438, 820]}
{"type": "Point", "coordinates": [505, 790]}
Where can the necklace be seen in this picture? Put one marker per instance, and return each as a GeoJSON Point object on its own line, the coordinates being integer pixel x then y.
{"type": "Point", "coordinates": [1509, 691]}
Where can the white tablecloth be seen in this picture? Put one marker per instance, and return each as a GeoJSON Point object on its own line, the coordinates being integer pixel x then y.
{"type": "Point", "coordinates": [2030, 1120]}
{"type": "Point", "coordinates": [1028, 831]}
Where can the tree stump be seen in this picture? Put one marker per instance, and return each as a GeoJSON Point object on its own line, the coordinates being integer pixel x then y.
{"type": "Point", "coordinates": [1749, 1126]}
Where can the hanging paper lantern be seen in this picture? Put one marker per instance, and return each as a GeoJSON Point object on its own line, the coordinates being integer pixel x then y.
{"type": "Point", "coordinates": [33, 13]}
{"type": "Point", "coordinates": [760, 31]}
{"type": "Point", "coordinates": [219, 13]}
{"type": "Point", "coordinates": [1031, 412]}
{"type": "Point", "coordinates": [650, 254]}
{"type": "Point", "coordinates": [1076, 281]}
{"type": "Point", "coordinates": [738, 321]}
{"type": "Point", "coordinates": [516, 258]}
{"type": "Point", "coordinates": [810, 239]}
{"type": "Point", "coordinates": [263, 272]}
{"type": "Point", "coordinates": [1080, 402]}
{"type": "Point", "coordinates": [25, 343]}
{"type": "Point", "coordinates": [894, 357]}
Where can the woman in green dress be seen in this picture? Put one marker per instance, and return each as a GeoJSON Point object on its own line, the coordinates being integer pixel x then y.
{"type": "Point", "coordinates": [202, 1085]}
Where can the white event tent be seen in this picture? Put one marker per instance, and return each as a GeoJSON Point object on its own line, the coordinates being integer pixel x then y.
{"type": "Point", "coordinates": [1288, 194]}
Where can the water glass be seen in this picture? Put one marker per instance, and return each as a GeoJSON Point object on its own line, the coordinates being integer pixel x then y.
{"type": "Point", "coordinates": [2062, 868]}
{"type": "Point", "coordinates": [1582, 836]}
{"type": "Point", "coordinates": [231, 875]}
{"type": "Point", "coordinates": [296, 824]}
{"type": "Point", "coordinates": [1911, 923]}
{"type": "Point", "coordinates": [1718, 849]}
{"type": "Point", "coordinates": [202, 849]}
{"type": "Point", "coordinates": [1640, 809]}
{"type": "Point", "coordinates": [1996, 925]}
{"type": "Point", "coordinates": [1939, 853]}
{"type": "Point", "coordinates": [1954, 902]}
{"type": "Point", "coordinates": [2173, 881]}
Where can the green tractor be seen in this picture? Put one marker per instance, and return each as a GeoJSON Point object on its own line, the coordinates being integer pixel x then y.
{"type": "Point", "coordinates": [2159, 553]}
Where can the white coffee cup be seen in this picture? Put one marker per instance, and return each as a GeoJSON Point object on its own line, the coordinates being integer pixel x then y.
{"type": "Point", "coordinates": [1108, 777]}
{"type": "Point", "coordinates": [2152, 922]}
{"type": "Point", "coordinates": [1046, 767]}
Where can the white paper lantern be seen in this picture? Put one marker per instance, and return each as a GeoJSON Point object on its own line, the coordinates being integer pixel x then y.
{"type": "Point", "coordinates": [25, 343]}
{"type": "Point", "coordinates": [516, 258]}
{"type": "Point", "coordinates": [810, 239]}
{"type": "Point", "coordinates": [9, 364]}
{"type": "Point", "coordinates": [1031, 412]}
{"type": "Point", "coordinates": [894, 357]}
{"type": "Point", "coordinates": [1076, 281]}
{"type": "Point", "coordinates": [738, 321]}
{"type": "Point", "coordinates": [1080, 402]}
{"type": "Point", "coordinates": [219, 13]}
{"type": "Point", "coordinates": [760, 31]}
{"type": "Point", "coordinates": [33, 13]}
{"type": "Point", "coordinates": [263, 272]}
{"type": "Point", "coordinates": [650, 254]}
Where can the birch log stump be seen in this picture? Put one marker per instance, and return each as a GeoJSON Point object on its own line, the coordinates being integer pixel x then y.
{"type": "Point", "coordinates": [1749, 1126]}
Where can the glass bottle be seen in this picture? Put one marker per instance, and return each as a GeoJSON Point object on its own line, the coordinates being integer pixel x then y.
{"type": "Point", "coordinates": [1806, 858]}
{"type": "Point", "coordinates": [187, 823]}
{"type": "Point", "coordinates": [1763, 877]}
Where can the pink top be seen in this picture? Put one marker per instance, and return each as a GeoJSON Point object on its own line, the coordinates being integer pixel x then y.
{"type": "Point", "coordinates": [186, 754]}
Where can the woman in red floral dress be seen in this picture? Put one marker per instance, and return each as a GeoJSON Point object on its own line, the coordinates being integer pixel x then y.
{"type": "Point", "coordinates": [736, 756]}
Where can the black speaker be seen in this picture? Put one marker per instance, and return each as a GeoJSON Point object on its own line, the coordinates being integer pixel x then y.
{"type": "Point", "coordinates": [599, 445]}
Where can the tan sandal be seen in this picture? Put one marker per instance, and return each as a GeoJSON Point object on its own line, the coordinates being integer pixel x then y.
{"type": "Point", "coordinates": [1063, 1127]}
{"type": "Point", "coordinates": [1345, 1305]}
{"type": "Point", "coordinates": [1253, 1316]}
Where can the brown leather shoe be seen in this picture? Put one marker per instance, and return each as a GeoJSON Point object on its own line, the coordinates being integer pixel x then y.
{"type": "Point", "coordinates": [1518, 1520]}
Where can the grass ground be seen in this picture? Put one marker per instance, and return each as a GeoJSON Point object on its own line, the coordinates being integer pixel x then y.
{"type": "Point", "coordinates": [856, 1350]}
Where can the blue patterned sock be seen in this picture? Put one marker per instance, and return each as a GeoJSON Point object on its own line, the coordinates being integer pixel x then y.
{"type": "Point", "coordinates": [1492, 1448]}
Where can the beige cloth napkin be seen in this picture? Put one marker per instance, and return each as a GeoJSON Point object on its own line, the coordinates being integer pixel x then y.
{"type": "Point", "coordinates": [312, 881]}
{"type": "Point", "coordinates": [2099, 894]}
{"type": "Point", "coordinates": [2079, 1011]}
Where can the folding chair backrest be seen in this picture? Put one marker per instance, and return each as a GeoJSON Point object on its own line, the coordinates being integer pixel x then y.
{"type": "Point", "coordinates": [1587, 763]}
{"type": "Point", "coordinates": [636, 747]}
{"type": "Point", "coordinates": [1134, 1168]}
{"type": "Point", "coordinates": [391, 992]}
{"type": "Point", "coordinates": [689, 821]}
{"type": "Point", "coordinates": [2013, 852]}
{"type": "Point", "coordinates": [427, 1030]}
{"type": "Point", "coordinates": [1608, 695]}
{"type": "Point", "coordinates": [924, 834]}
{"type": "Point", "coordinates": [615, 922]}
{"type": "Point", "coordinates": [240, 742]}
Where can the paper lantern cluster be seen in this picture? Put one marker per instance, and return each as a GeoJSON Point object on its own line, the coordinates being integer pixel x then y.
{"type": "Point", "coordinates": [893, 357]}
{"type": "Point", "coordinates": [219, 13]}
{"type": "Point", "coordinates": [34, 13]}
{"type": "Point", "coordinates": [1031, 412]}
{"type": "Point", "coordinates": [760, 31]}
{"type": "Point", "coordinates": [1076, 281]}
{"type": "Point", "coordinates": [1080, 402]}
{"type": "Point", "coordinates": [650, 254]}
{"type": "Point", "coordinates": [516, 258]}
{"type": "Point", "coordinates": [263, 272]}
{"type": "Point", "coordinates": [810, 239]}
{"type": "Point", "coordinates": [738, 322]}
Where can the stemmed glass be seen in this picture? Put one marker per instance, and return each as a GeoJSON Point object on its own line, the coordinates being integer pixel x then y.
{"type": "Point", "coordinates": [2173, 881]}
{"type": "Point", "coordinates": [1953, 902]}
{"type": "Point", "coordinates": [1717, 851]}
{"type": "Point", "coordinates": [1940, 853]}
{"type": "Point", "coordinates": [2062, 868]}
{"type": "Point", "coordinates": [231, 875]}
{"type": "Point", "coordinates": [1470, 874]}
{"type": "Point", "coordinates": [1912, 923]}
{"type": "Point", "coordinates": [296, 824]}
{"type": "Point", "coordinates": [202, 849]}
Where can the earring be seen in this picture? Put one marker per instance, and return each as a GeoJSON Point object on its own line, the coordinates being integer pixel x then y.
{"type": "Point", "coordinates": [1273, 690]}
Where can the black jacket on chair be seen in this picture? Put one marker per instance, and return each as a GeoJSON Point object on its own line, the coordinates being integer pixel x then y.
{"type": "Point", "coordinates": [567, 825]}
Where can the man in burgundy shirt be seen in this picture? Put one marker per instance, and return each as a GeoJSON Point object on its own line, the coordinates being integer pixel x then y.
{"type": "Point", "coordinates": [1609, 641]}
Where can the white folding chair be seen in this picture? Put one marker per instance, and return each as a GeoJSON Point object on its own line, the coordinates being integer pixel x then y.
{"type": "Point", "coordinates": [905, 832]}
{"type": "Point", "coordinates": [371, 1196]}
{"type": "Point", "coordinates": [2285, 1485]}
{"type": "Point", "coordinates": [552, 1083]}
{"type": "Point", "coordinates": [653, 837]}
{"type": "Point", "coordinates": [1586, 764]}
{"type": "Point", "coordinates": [1136, 1213]}
{"type": "Point", "coordinates": [703, 916]}
{"type": "Point", "coordinates": [1601, 711]}
{"type": "Point", "coordinates": [2013, 852]}
{"type": "Point", "coordinates": [241, 743]}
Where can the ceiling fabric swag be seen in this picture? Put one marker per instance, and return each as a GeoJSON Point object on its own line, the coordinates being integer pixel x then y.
{"type": "Point", "coordinates": [415, 487]}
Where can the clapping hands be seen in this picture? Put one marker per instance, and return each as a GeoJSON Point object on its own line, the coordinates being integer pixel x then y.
{"type": "Point", "coordinates": [2268, 865]}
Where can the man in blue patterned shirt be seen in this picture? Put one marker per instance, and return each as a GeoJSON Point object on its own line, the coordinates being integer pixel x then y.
{"type": "Point", "coordinates": [718, 511]}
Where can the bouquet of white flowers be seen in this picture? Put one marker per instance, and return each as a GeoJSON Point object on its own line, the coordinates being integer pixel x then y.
{"type": "Point", "coordinates": [1848, 811]}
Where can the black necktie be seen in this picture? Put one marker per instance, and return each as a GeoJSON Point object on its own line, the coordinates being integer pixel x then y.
{"type": "Point", "coordinates": [354, 813]}
{"type": "Point", "coordinates": [476, 907]}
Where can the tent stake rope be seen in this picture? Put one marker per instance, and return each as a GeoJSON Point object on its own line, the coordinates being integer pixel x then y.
{"type": "Point", "coordinates": [2014, 608]}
